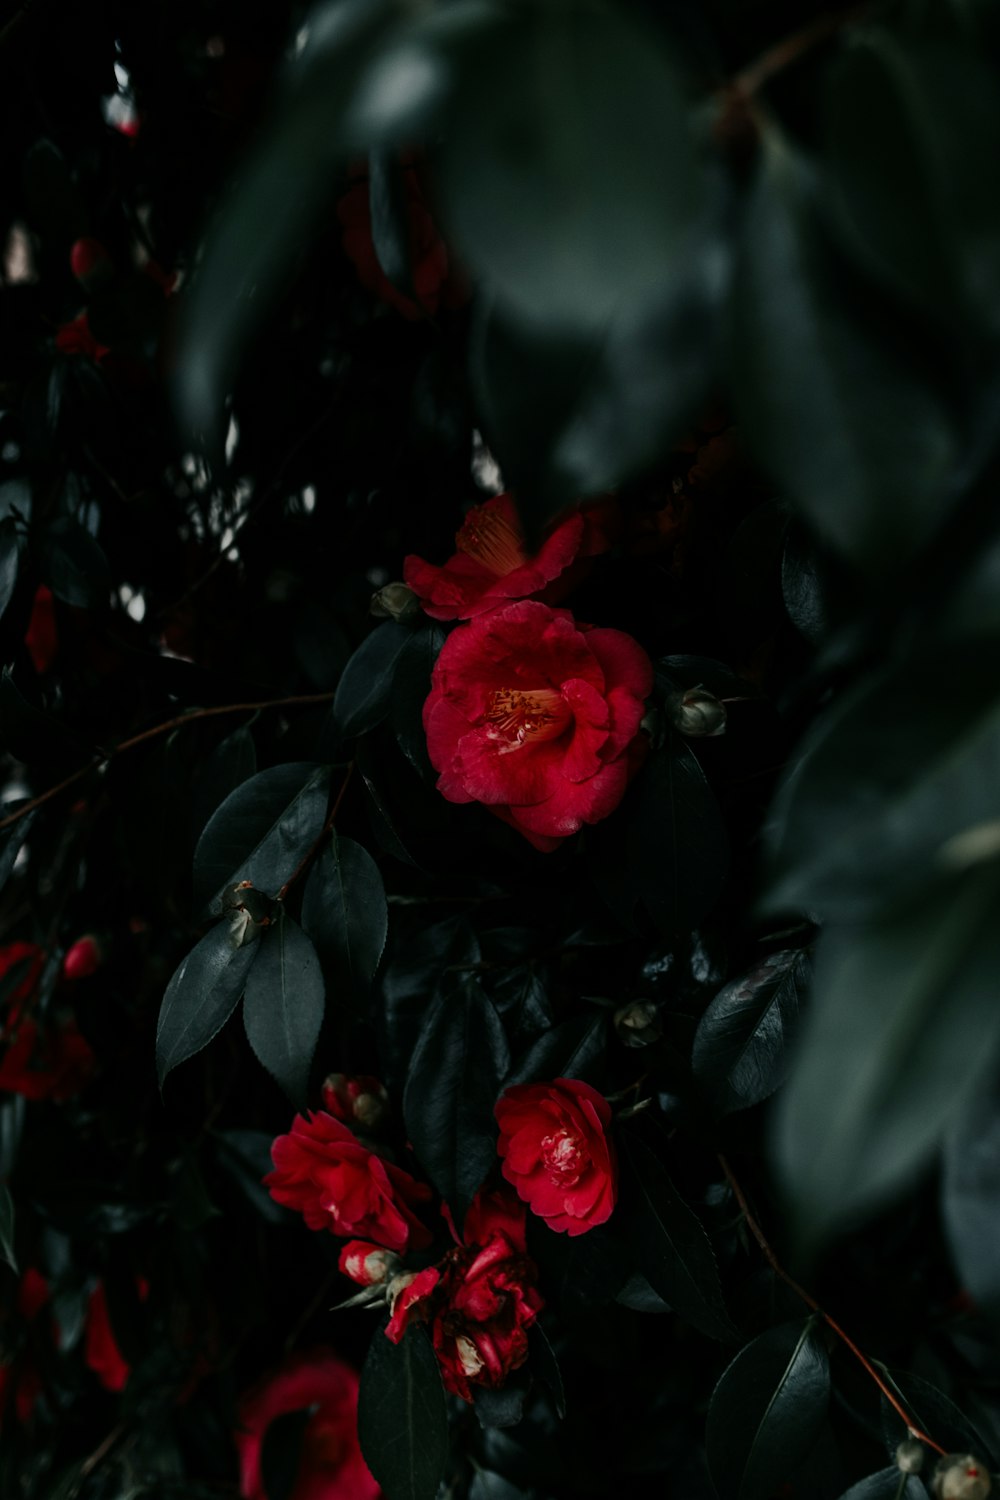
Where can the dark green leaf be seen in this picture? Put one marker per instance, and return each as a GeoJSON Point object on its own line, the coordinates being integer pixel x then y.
{"type": "Point", "coordinates": [803, 585]}
{"type": "Point", "coordinates": [458, 1065]}
{"type": "Point", "coordinates": [281, 1453]}
{"type": "Point", "coordinates": [76, 568]}
{"type": "Point", "coordinates": [574, 1049]}
{"type": "Point", "coordinates": [382, 821]}
{"type": "Point", "coordinates": [390, 224]}
{"type": "Point", "coordinates": [411, 685]}
{"type": "Point", "coordinates": [263, 830]}
{"type": "Point", "coordinates": [971, 1201]}
{"type": "Point", "coordinates": [12, 841]}
{"type": "Point", "coordinates": [848, 420]}
{"type": "Point", "coordinates": [675, 1254]}
{"type": "Point", "coordinates": [7, 1228]}
{"type": "Point", "coordinates": [902, 1028]}
{"type": "Point", "coordinates": [403, 1416]}
{"type": "Point", "coordinates": [283, 1006]}
{"type": "Point", "coordinates": [935, 1413]}
{"type": "Point", "coordinates": [412, 980]}
{"type": "Point", "coordinates": [577, 189]}
{"type": "Point", "coordinates": [364, 691]}
{"type": "Point", "coordinates": [345, 913]}
{"type": "Point", "coordinates": [202, 994]}
{"type": "Point", "coordinates": [545, 1367]}
{"type": "Point", "coordinates": [230, 764]}
{"type": "Point", "coordinates": [489, 1486]}
{"type": "Point", "coordinates": [503, 1407]}
{"type": "Point", "coordinates": [741, 1047]}
{"type": "Point", "coordinates": [888, 1484]}
{"type": "Point", "coordinates": [10, 556]}
{"type": "Point", "coordinates": [766, 1411]}
{"type": "Point", "coordinates": [896, 779]}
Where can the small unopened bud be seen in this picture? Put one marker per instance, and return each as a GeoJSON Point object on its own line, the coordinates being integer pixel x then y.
{"type": "Point", "coordinates": [362, 1101]}
{"type": "Point", "coordinates": [698, 713]}
{"type": "Point", "coordinates": [395, 602]}
{"type": "Point", "coordinates": [638, 1024]}
{"type": "Point", "coordinates": [90, 263]}
{"type": "Point", "coordinates": [83, 958]}
{"type": "Point", "coordinates": [910, 1456]}
{"type": "Point", "coordinates": [960, 1476]}
{"type": "Point", "coordinates": [368, 1265]}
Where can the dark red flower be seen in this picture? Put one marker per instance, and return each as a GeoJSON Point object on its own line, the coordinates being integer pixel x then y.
{"type": "Point", "coordinates": [51, 1062]}
{"type": "Point", "coordinates": [361, 1100]}
{"type": "Point", "coordinates": [433, 278]}
{"type": "Point", "coordinates": [100, 1349]}
{"type": "Point", "coordinates": [492, 568]}
{"type": "Point", "coordinates": [557, 1154]}
{"type": "Point", "coordinates": [41, 637]}
{"type": "Point", "coordinates": [30, 961]}
{"type": "Point", "coordinates": [75, 337]}
{"type": "Point", "coordinates": [331, 1466]}
{"type": "Point", "coordinates": [480, 1302]}
{"type": "Point", "coordinates": [336, 1183]}
{"type": "Point", "coordinates": [538, 718]}
{"type": "Point", "coordinates": [83, 958]}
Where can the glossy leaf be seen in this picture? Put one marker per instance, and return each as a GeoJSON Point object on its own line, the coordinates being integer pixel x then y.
{"type": "Point", "coordinates": [411, 685]}
{"type": "Point", "coordinates": [842, 415]}
{"type": "Point", "coordinates": [364, 691]}
{"type": "Point", "coordinates": [202, 995]}
{"type": "Point", "coordinates": [741, 1047]}
{"type": "Point", "coordinates": [902, 1029]}
{"type": "Point", "coordinates": [887, 1484]}
{"type": "Point", "coordinates": [76, 568]}
{"type": "Point", "coordinates": [674, 1252]}
{"type": "Point", "coordinates": [283, 1006]}
{"type": "Point", "coordinates": [934, 1412]}
{"type": "Point", "coordinates": [767, 1410]}
{"type": "Point", "coordinates": [573, 1049]}
{"type": "Point", "coordinates": [459, 1063]}
{"type": "Point", "coordinates": [10, 557]}
{"type": "Point", "coordinates": [345, 914]}
{"type": "Point", "coordinates": [263, 831]}
{"type": "Point", "coordinates": [12, 841]}
{"type": "Point", "coordinates": [7, 1228]}
{"type": "Point", "coordinates": [403, 1416]}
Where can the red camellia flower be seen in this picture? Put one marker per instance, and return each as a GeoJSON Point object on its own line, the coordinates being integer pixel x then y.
{"type": "Point", "coordinates": [434, 281]}
{"type": "Point", "coordinates": [557, 1154]}
{"type": "Point", "coordinates": [362, 1099]}
{"type": "Point", "coordinates": [480, 1302]}
{"type": "Point", "coordinates": [537, 717]}
{"type": "Point", "coordinates": [331, 1466]}
{"type": "Point", "coordinates": [492, 568]}
{"type": "Point", "coordinates": [323, 1172]}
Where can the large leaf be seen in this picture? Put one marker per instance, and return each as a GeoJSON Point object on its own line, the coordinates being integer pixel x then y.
{"type": "Point", "coordinates": [202, 994]}
{"type": "Point", "coordinates": [741, 1047]}
{"type": "Point", "coordinates": [403, 1416]}
{"type": "Point", "coordinates": [411, 687]}
{"type": "Point", "coordinates": [902, 1028]}
{"type": "Point", "coordinates": [263, 830]}
{"type": "Point", "coordinates": [767, 1410]}
{"type": "Point", "coordinates": [887, 1484]}
{"type": "Point", "coordinates": [935, 1413]}
{"type": "Point", "coordinates": [411, 982]}
{"type": "Point", "coordinates": [845, 418]}
{"type": "Point", "coordinates": [283, 1006]}
{"type": "Point", "coordinates": [573, 1049]}
{"type": "Point", "coordinates": [364, 692]}
{"type": "Point", "coordinates": [344, 912]}
{"type": "Point", "coordinates": [907, 761]}
{"type": "Point", "coordinates": [76, 568]}
{"type": "Point", "coordinates": [7, 1228]}
{"type": "Point", "coordinates": [674, 1252]}
{"type": "Point", "coordinates": [971, 1201]}
{"type": "Point", "coordinates": [578, 188]}
{"type": "Point", "coordinates": [459, 1063]}
{"type": "Point", "coordinates": [12, 841]}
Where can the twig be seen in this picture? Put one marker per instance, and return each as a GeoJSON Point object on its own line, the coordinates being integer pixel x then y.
{"type": "Point", "coordinates": [153, 733]}
{"type": "Point", "coordinates": [810, 1301]}
{"type": "Point", "coordinates": [331, 817]}
{"type": "Point", "coordinates": [777, 58]}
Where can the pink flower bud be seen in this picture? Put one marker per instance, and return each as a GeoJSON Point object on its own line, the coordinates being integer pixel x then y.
{"type": "Point", "coordinates": [367, 1264]}
{"type": "Point", "coordinates": [83, 958]}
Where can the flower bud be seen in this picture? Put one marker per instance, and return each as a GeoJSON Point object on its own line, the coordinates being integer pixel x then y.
{"type": "Point", "coordinates": [698, 713]}
{"type": "Point", "coordinates": [367, 1264]}
{"type": "Point", "coordinates": [398, 1285]}
{"type": "Point", "coordinates": [360, 1101]}
{"type": "Point", "coordinates": [395, 602]}
{"type": "Point", "coordinates": [910, 1456]}
{"type": "Point", "coordinates": [638, 1024]}
{"type": "Point", "coordinates": [960, 1476]}
{"type": "Point", "coordinates": [83, 958]}
{"type": "Point", "coordinates": [90, 263]}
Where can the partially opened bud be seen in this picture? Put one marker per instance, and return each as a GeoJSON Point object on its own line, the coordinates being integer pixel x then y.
{"type": "Point", "coordinates": [910, 1456]}
{"type": "Point", "coordinates": [638, 1024]}
{"type": "Point", "coordinates": [83, 958]}
{"type": "Point", "coordinates": [359, 1101]}
{"type": "Point", "coordinates": [698, 713]}
{"type": "Point", "coordinates": [395, 602]}
{"type": "Point", "coordinates": [960, 1476]}
{"type": "Point", "coordinates": [367, 1264]}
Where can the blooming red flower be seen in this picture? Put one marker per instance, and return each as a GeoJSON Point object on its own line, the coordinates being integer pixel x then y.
{"type": "Point", "coordinates": [331, 1466]}
{"type": "Point", "coordinates": [323, 1172]}
{"type": "Point", "coordinates": [41, 637]}
{"type": "Point", "coordinates": [83, 958]}
{"type": "Point", "coordinates": [480, 1302]}
{"type": "Point", "coordinates": [537, 717]}
{"type": "Point", "coordinates": [433, 278]}
{"type": "Point", "coordinates": [492, 568]}
{"type": "Point", "coordinates": [557, 1154]}
{"type": "Point", "coordinates": [362, 1100]}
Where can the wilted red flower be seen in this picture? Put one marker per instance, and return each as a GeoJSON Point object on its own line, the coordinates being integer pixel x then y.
{"type": "Point", "coordinates": [83, 958]}
{"type": "Point", "coordinates": [492, 568]}
{"type": "Point", "coordinates": [41, 637]}
{"type": "Point", "coordinates": [433, 279]}
{"type": "Point", "coordinates": [336, 1183]}
{"type": "Point", "coordinates": [557, 1154]}
{"type": "Point", "coordinates": [362, 1100]}
{"type": "Point", "coordinates": [480, 1302]}
{"type": "Point", "coordinates": [538, 718]}
{"type": "Point", "coordinates": [331, 1466]}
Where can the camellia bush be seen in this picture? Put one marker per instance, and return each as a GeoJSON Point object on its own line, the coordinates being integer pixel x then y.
{"type": "Point", "coordinates": [500, 734]}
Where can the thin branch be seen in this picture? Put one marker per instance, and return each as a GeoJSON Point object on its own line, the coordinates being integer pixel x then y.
{"type": "Point", "coordinates": [154, 733]}
{"type": "Point", "coordinates": [810, 1301]}
{"type": "Point", "coordinates": [777, 58]}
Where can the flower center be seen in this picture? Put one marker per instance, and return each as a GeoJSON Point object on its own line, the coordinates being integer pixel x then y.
{"type": "Point", "coordinates": [519, 717]}
{"type": "Point", "coordinates": [564, 1158]}
{"type": "Point", "coordinates": [492, 539]}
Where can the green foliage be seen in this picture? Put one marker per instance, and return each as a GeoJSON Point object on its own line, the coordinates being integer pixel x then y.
{"type": "Point", "coordinates": [402, 1417]}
